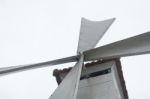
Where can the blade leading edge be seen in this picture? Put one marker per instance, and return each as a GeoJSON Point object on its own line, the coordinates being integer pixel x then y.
{"type": "Point", "coordinates": [69, 86]}
{"type": "Point", "coordinates": [91, 32]}
{"type": "Point", "coordinates": [12, 69]}
{"type": "Point", "coordinates": [136, 45]}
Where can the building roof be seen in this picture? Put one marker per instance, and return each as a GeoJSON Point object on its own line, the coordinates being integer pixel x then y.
{"type": "Point", "coordinates": [58, 73]}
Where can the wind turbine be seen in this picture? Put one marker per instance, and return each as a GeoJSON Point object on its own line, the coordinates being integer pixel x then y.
{"type": "Point", "coordinates": [90, 33]}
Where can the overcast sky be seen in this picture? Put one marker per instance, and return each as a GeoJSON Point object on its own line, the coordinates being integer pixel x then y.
{"type": "Point", "coordinates": [41, 30]}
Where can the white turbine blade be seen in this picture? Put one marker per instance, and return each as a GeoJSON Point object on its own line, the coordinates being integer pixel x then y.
{"type": "Point", "coordinates": [91, 32]}
{"type": "Point", "coordinates": [136, 45]}
{"type": "Point", "coordinates": [12, 69]}
{"type": "Point", "coordinates": [69, 86]}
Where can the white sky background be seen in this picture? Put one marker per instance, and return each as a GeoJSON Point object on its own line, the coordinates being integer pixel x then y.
{"type": "Point", "coordinates": [41, 30]}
